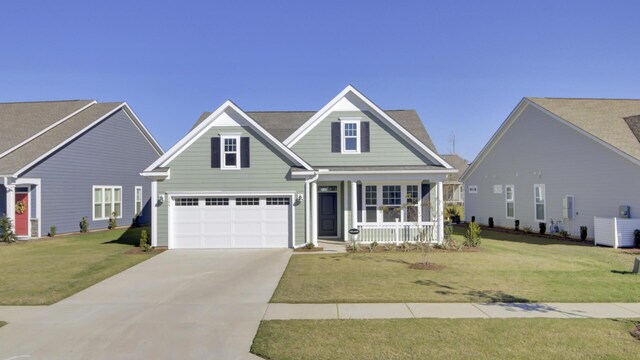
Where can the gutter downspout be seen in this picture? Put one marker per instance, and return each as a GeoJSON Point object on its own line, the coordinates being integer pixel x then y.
{"type": "Point", "coordinates": [307, 208]}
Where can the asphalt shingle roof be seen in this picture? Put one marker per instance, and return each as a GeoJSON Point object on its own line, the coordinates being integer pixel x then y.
{"type": "Point", "coordinates": [31, 124]}
{"type": "Point", "coordinates": [281, 124]}
{"type": "Point", "coordinates": [602, 118]}
{"type": "Point", "coordinates": [458, 163]}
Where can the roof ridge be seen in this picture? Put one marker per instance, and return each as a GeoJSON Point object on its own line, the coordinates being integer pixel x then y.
{"type": "Point", "coordinates": [581, 98]}
{"type": "Point", "coordinates": [313, 111]}
{"type": "Point", "coordinates": [46, 101]}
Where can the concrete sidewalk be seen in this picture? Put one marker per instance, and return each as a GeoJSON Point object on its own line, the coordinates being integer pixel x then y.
{"type": "Point", "coordinates": [451, 311]}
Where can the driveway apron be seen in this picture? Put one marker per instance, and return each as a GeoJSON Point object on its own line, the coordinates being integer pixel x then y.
{"type": "Point", "coordinates": [181, 304]}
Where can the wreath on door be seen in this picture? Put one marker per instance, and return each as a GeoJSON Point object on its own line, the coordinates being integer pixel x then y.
{"type": "Point", "coordinates": [20, 207]}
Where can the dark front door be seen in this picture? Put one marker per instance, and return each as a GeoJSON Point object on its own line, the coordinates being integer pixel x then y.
{"type": "Point", "coordinates": [327, 214]}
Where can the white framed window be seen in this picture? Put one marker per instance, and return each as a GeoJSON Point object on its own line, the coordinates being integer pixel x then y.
{"type": "Point", "coordinates": [138, 200]}
{"type": "Point", "coordinates": [106, 201]}
{"type": "Point", "coordinates": [412, 203]}
{"type": "Point", "coordinates": [216, 201]}
{"type": "Point", "coordinates": [278, 201]}
{"type": "Point", "coordinates": [510, 201]}
{"type": "Point", "coordinates": [371, 203]}
{"type": "Point", "coordinates": [185, 201]}
{"type": "Point", "coordinates": [350, 131]}
{"type": "Point", "coordinates": [247, 201]}
{"type": "Point", "coordinates": [539, 202]}
{"type": "Point", "coordinates": [391, 200]}
{"type": "Point", "coordinates": [230, 152]}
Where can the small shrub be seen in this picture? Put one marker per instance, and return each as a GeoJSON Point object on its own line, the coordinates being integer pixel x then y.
{"type": "Point", "coordinates": [583, 233]}
{"type": "Point", "coordinates": [389, 247]}
{"type": "Point", "coordinates": [527, 229]}
{"type": "Point", "coordinates": [144, 238]}
{"type": "Point", "coordinates": [636, 237]}
{"type": "Point", "coordinates": [517, 225]}
{"type": "Point", "coordinates": [6, 230]}
{"type": "Point", "coordinates": [52, 231]}
{"type": "Point", "coordinates": [373, 246]}
{"type": "Point", "coordinates": [454, 212]}
{"type": "Point", "coordinates": [472, 237]}
{"type": "Point", "coordinates": [491, 222]}
{"type": "Point", "coordinates": [564, 234]}
{"type": "Point", "coordinates": [113, 222]}
{"type": "Point", "coordinates": [405, 246]}
{"type": "Point", "coordinates": [309, 245]}
{"type": "Point", "coordinates": [543, 228]}
{"type": "Point", "coordinates": [356, 247]}
{"type": "Point", "coordinates": [84, 225]}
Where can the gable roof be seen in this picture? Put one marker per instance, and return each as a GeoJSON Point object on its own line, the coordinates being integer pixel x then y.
{"type": "Point", "coordinates": [38, 132]}
{"type": "Point", "coordinates": [202, 125]}
{"type": "Point", "coordinates": [603, 120]}
{"type": "Point", "coordinates": [281, 124]}
{"type": "Point", "coordinates": [458, 163]}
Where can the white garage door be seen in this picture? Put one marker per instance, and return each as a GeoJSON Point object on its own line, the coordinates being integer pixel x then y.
{"type": "Point", "coordinates": [230, 222]}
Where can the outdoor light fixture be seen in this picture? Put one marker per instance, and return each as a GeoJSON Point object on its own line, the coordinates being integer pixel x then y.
{"type": "Point", "coordinates": [300, 197]}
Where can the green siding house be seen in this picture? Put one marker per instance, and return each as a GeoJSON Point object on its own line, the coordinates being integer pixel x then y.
{"type": "Point", "coordinates": [282, 179]}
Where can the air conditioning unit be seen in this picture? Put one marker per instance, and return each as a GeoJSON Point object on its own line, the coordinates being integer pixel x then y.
{"type": "Point", "coordinates": [624, 211]}
{"type": "Point", "coordinates": [567, 207]}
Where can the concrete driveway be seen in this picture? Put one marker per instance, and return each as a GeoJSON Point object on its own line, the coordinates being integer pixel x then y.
{"type": "Point", "coordinates": [200, 304]}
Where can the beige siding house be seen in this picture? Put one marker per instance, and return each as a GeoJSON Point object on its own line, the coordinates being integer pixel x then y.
{"type": "Point", "coordinates": [243, 179]}
{"type": "Point", "coordinates": [560, 162]}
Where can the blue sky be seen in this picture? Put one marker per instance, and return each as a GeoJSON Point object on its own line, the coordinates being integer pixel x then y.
{"type": "Point", "coordinates": [463, 65]}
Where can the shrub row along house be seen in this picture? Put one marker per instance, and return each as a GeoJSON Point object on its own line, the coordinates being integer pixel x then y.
{"type": "Point", "coordinates": [561, 162]}
{"type": "Point", "coordinates": [61, 161]}
{"type": "Point", "coordinates": [282, 179]}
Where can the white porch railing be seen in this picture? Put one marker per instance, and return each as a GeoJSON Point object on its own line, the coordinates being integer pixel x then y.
{"type": "Point", "coordinates": [397, 232]}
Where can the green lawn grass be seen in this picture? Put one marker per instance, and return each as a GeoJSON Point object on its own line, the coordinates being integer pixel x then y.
{"type": "Point", "coordinates": [508, 268]}
{"type": "Point", "coordinates": [447, 339]}
{"type": "Point", "coordinates": [46, 271]}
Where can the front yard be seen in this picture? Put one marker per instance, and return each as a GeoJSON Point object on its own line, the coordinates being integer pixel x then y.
{"type": "Point", "coordinates": [447, 339]}
{"type": "Point", "coordinates": [507, 268]}
{"type": "Point", "coordinates": [46, 271]}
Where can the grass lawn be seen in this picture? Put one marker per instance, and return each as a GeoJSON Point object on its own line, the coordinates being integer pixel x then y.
{"type": "Point", "coordinates": [447, 339]}
{"type": "Point", "coordinates": [46, 271]}
{"type": "Point", "coordinates": [508, 268]}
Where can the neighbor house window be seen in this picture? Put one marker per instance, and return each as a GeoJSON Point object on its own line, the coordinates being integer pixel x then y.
{"type": "Point", "coordinates": [391, 201]}
{"type": "Point", "coordinates": [412, 203]}
{"type": "Point", "coordinates": [350, 136]}
{"type": "Point", "coordinates": [371, 203]}
{"type": "Point", "coordinates": [138, 200]}
{"type": "Point", "coordinates": [230, 153]}
{"type": "Point", "coordinates": [539, 195]}
{"type": "Point", "coordinates": [510, 201]}
{"type": "Point", "coordinates": [107, 200]}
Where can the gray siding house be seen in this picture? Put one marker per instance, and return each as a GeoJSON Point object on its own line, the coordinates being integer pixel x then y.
{"type": "Point", "coordinates": [242, 179]}
{"type": "Point", "coordinates": [64, 160]}
{"type": "Point", "coordinates": [560, 162]}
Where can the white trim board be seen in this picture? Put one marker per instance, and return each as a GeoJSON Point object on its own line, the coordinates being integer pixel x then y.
{"type": "Point", "coordinates": [207, 123]}
{"type": "Point", "coordinates": [401, 131]}
{"type": "Point", "coordinates": [513, 116]}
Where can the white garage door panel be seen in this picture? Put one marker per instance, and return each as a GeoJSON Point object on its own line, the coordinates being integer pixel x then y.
{"type": "Point", "coordinates": [231, 226]}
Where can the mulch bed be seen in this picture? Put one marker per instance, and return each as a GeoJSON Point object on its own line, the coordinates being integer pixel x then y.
{"type": "Point", "coordinates": [636, 331]}
{"type": "Point", "coordinates": [138, 250]}
{"type": "Point", "coordinates": [304, 249]}
{"type": "Point", "coordinates": [413, 248]}
{"type": "Point", "coordinates": [430, 266]}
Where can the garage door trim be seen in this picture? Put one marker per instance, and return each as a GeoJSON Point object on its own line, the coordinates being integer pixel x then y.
{"type": "Point", "coordinates": [171, 196]}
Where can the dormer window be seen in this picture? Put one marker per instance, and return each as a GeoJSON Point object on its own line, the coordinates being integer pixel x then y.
{"type": "Point", "coordinates": [230, 152]}
{"type": "Point", "coordinates": [350, 136]}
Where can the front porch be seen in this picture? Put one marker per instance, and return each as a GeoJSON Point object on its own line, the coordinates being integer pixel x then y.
{"type": "Point", "coordinates": [385, 208]}
{"type": "Point", "coordinates": [21, 203]}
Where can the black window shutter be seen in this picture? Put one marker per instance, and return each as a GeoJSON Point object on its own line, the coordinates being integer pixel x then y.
{"type": "Point", "coordinates": [215, 152]}
{"type": "Point", "coordinates": [359, 199]}
{"type": "Point", "coordinates": [426, 202]}
{"type": "Point", "coordinates": [335, 137]}
{"type": "Point", "coordinates": [244, 152]}
{"type": "Point", "coordinates": [364, 137]}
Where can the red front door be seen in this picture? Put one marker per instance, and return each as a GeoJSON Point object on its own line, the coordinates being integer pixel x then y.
{"type": "Point", "coordinates": [22, 214]}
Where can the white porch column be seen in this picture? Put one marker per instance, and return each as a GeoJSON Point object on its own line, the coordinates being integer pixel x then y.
{"type": "Point", "coordinates": [440, 216]}
{"type": "Point", "coordinates": [314, 213]}
{"type": "Point", "coordinates": [354, 204]}
{"type": "Point", "coordinates": [10, 191]}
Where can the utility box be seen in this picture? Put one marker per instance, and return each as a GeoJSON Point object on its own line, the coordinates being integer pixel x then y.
{"type": "Point", "coordinates": [624, 211]}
